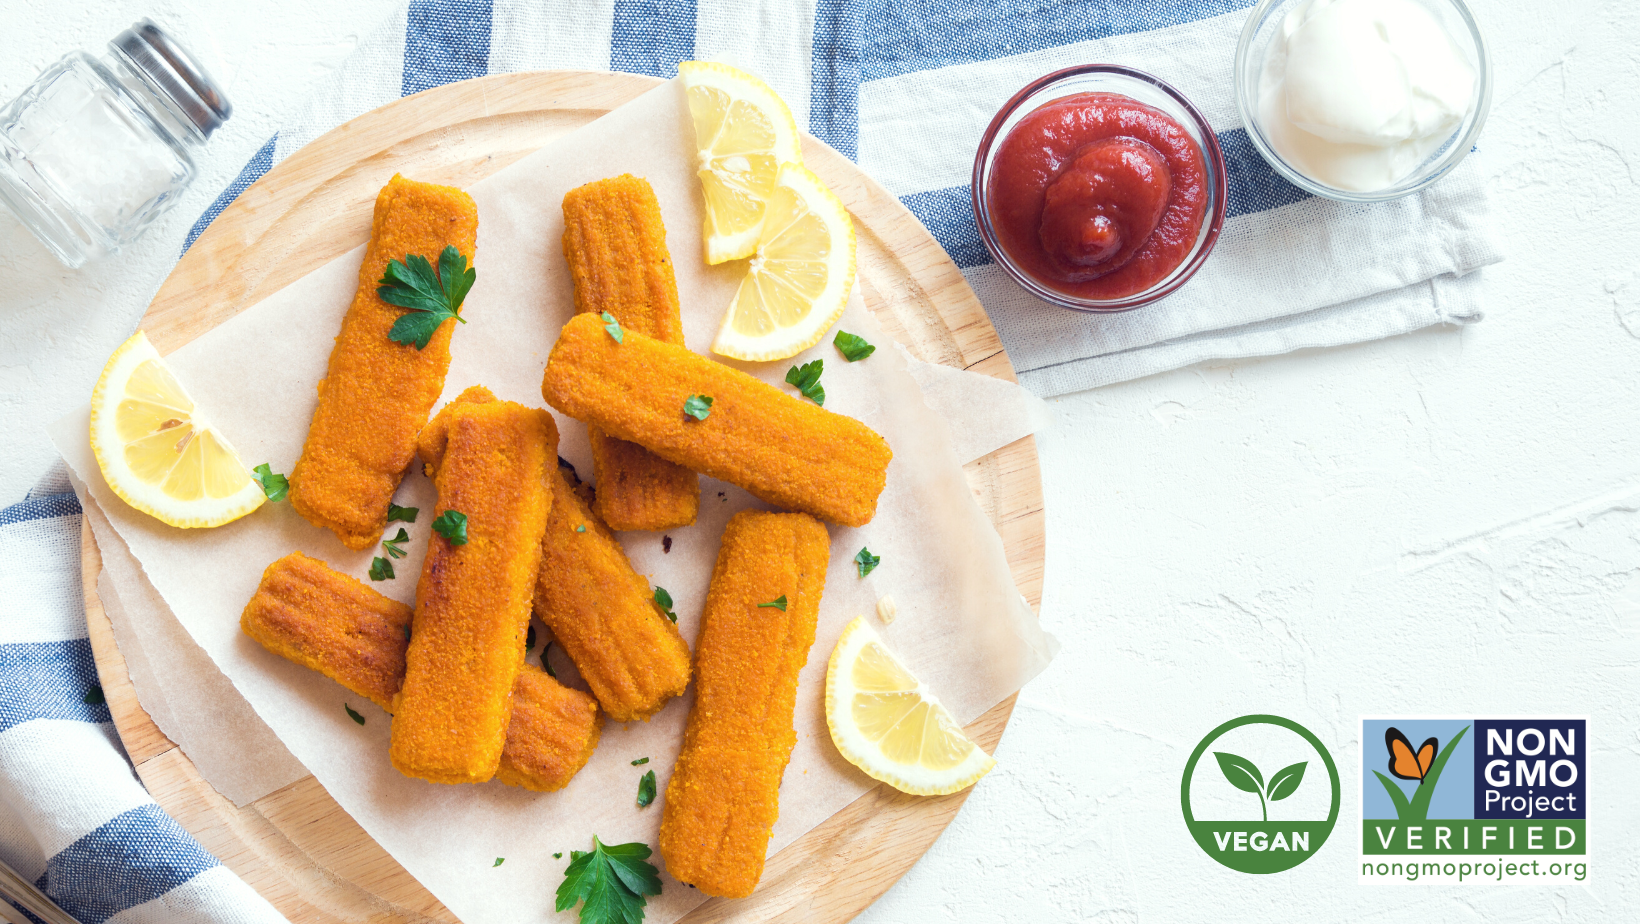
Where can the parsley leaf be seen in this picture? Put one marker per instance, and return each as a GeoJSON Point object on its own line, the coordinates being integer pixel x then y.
{"type": "Point", "coordinates": [353, 715]}
{"type": "Point", "coordinates": [664, 601]}
{"type": "Point", "coordinates": [529, 639]}
{"type": "Point", "coordinates": [452, 525]}
{"type": "Point", "coordinates": [853, 346]}
{"type": "Point", "coordinates": [646, 789]}
{"type": "Point", "coordinates": [432, 298]}
{"type": "Point", "coordinates": [698, 406]}
{"type": "Point", "coordinates": [807, 379]}
{"type": "Point", "coordinates": [613, 327]}
{"type": "Point", "coordinates": [640, 762]}
{"type": "Point", "coordinates": [545, 664]}
{"type": "Point", "coordinates": [866, 561]}
{"type": "Point", "coordinates": [406, 514]}
{"type": "Point", "coordinates": [610, 882]}
{"type": "Point", "coordinates": [392, 545]}
{"type": "Point", "coordinates": [381, 570]}
{"type": "Point", "coordinates": [274, 485]}
{"type": "Point", "coordinates": [778, 603]}
{"type": "Point", "coordinates": [94, 697]}
{"type": "Point", "coordinates": [557, 855]}
{"type": "Point", "coordinates": [580, 527]}
{"type": "Point", "coordinates": [498, 862]}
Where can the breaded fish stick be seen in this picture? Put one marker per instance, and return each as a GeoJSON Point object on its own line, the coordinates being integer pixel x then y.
{"type": "Point", "coordinates": [376, 394]}
{"type": "Point", "coordinates": [615, 244]}
{"type": "Point", "coordinates": [325, 620]}
{"type": "Point", "coordinates": [724, 796]}
{"type": "Point", "coordinates": [603, 613]}
{"type": "Point", "coordinates": [782, 449]}
{"type": "Point", "coordinates": [473, 599]}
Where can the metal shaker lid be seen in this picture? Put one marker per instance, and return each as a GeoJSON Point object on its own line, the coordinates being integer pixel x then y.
{"type": "Point", "coordinates": [159, 58]}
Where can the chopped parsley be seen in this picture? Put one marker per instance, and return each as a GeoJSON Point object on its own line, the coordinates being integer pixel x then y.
{"type": "Point", "coordinates": [557, 855]}
{"type": "Point", "coordinates": [274, 485]}
{"type": "Point", "coordinates": [498, 862]}
{"type": "Point", "coordinates": [432, 298]}
{"type": "Point", "coordinates": [580, 527]}
{"type": "Point", "coordinates": [698, 406]}
{"type": "Point", "coordinates": [610, 882]}
{"type": "Point", "coordinates": [664, 601]}
{"type": "Point", "coordinates": [778, 603]}
{"type": "Point", "coordinates": [613, 327]}
{"type": "Point", "coordinates": [392, 545]}
{"type": "Point", "coordinates": [452, 525]}
{"type": "Point", "coordinates": [853, 346]}
{"type": "Point", "coordinates": [545, 664]}
{"type": "Point", "coordinates": [405, 514]}
{"type": "Point", "coordinates": [407, 632]}
{"type": "Point", "coordinates": [94, 697]}
{"type": "Point", "coordinates": [807, 379]}
{"type": "Point", "coordinates": [646, 789]}
{"type": "Point", "coordinates": [353, 715]}
{"type": "Point", "coordinates": [640, 762]}
{"type": "Point", "coordinates": [866, 561]}
{"type": "Point", "coordinates": [381, 570]}
{"type": "Point", "coordinates": [529, 639]}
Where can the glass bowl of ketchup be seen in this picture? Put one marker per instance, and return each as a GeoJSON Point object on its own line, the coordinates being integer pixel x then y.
{"type": "Point", "coordinates": [1099, 188]}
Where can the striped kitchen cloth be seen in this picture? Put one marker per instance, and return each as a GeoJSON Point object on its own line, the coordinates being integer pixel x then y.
{"type": "Point", "coordinates": [907, 87]}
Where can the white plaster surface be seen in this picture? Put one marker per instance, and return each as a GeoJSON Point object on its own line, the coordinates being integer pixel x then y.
{"type": "Point", "coordinates": [1446, 522]}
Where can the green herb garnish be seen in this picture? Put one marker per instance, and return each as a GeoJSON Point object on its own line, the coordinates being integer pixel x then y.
{"type": "Point", "coordinates": [432, 298]}
{"type": "Point", "coordinates": [94, 697]}
{"type": "Point", "coordinates": [697, 406]}
{"type": "Point", "coordinates": [807, 379]}
{"type": "Point", "coordinates": [274, 485]}
{"type": "Point", "coordinates": [640, 762]}
{"type": "Point", "coordinates": [404, 514]}
{"type": "Point", "coordinates": [580, 527]}
{"type": "Point", "coordinates": [778, 603]}
{"type": "Point", "coordinates": [498, 862]}
{"type": "Point", "coordinates": [353, 715]}
{"type": "Point", "coordinates": [646, 789]}
{"type": "Point", "coordinates": [407, 632]}
{"type": "Point", "coordinates": [392, 545]}
{"type": "Point", "coordinates": [557, 855]}
{"type": "Point", "coordinates": [529, 639]}
{"type": "Point", "coordinates": [381, 570]}
{"type": "Point", "coordinates": [853, 346]}
{"type": "Point", "coordinates": [866, 561]}
{"type": "Point", "coordinates": [609, 882]}
{"type": "Point", "coordinates": [545, 664]}
{"type": "Point", "coordinates": [613, 326]}
{"type": "Point", "coordinates": [664, 601]}
{"type": "Point", "coordinates": [452, 525]}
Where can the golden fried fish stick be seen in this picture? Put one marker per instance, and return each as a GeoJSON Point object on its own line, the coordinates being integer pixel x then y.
{"type": "Point", "coordinates": [615, 244]}
{"type": "Point", "coordinates": [603, 613]}
{"type": "Point", "coordinates": [724, 795]}
{"type": "Point", "coordinates": [782, 449]}
{"type": "Point", "coordinates": [325, 620]}
{"type": "Point", "coordinates": [376, 393]}
{"type": "Point", "coordinates": [473, 599]}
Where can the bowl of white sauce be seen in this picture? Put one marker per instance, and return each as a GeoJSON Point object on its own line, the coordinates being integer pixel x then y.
{"type": "Point", "coordinates": [1362, 100]}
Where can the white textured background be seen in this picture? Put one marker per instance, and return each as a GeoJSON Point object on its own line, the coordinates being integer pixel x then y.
{"type": "Point", "coordinates": [1447, 522]}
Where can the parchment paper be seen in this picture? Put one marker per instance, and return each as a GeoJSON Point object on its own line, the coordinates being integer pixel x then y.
{"type": "Point", "coordinates": [962, 627]}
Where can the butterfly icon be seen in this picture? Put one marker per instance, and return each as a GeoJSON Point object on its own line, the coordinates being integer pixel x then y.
{"type": "Point", "coordinates": [1406, 763]}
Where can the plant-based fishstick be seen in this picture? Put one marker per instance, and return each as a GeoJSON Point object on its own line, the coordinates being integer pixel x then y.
{"type": "Point", "coordinates": [615, 244]}
{"type": "Point", "coordinates": [604, 615]}
{"type": "Point", "coordinates": [325, 620]}
{"type": "Point", "coordinates": [376, 393]}
{"type": "Point", "coordinates": [473, 599]}
{"type": "Point", "coordinates": [782, 449]}
{"type": "Point", "coordinates": [724, 795]}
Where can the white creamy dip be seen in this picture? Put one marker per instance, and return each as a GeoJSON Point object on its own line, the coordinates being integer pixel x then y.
{"type": "Point", "coordinates": [1356, 94]}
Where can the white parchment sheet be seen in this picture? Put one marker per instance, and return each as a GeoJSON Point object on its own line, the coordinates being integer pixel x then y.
{"type": "Point", "coordinates": [962, 626]}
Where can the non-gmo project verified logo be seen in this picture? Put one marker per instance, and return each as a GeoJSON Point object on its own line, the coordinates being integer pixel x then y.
{"type": "Point", "coordinates": [1475, 800]}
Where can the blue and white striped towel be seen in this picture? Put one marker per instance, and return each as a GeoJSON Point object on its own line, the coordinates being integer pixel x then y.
{"type": "Point", "coordinates": [905, 87]}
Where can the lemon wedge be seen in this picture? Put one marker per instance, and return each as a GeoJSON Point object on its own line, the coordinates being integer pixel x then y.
{"type": "Point", "coordinates": [888, 724]}
{"type": "Point", "coordinates": [744, 132]}
{"type": "Point", "coordinates": [800, 274]}
{"type": "Point", "coordinates": [156, 451]}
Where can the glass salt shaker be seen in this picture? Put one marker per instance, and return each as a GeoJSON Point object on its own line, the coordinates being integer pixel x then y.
{"type": "Point", "coordinates": [97, 148]}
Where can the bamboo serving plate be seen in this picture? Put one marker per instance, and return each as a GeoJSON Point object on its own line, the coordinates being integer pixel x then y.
{"type": "Point", "coordinates": [297, 847]}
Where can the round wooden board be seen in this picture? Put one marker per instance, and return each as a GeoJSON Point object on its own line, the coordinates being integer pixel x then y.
{"type": "Point", "coordinates": [297, 847]}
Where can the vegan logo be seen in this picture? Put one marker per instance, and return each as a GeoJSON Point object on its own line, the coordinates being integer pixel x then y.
{"type": "Point", "coordinates": [1293, 817]}
{"type": "Point", "coordinates": [1479, 800]}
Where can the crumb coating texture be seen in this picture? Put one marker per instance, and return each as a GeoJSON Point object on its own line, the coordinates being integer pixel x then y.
{"type": "Point", "coordinates": [376, 394]}
{"type": "Point", "coordinates": [551, 735]}
{"type": "Point", "coordinates": [782, 449]}
{"type": "Point", "coordinates": [473, 600]}
{"type": "Point", "coordinates": [615, 245]}
{"type": "Point", "coordinates": [724, 795]}
{"type": "Point", "coordinates": [604, 614]}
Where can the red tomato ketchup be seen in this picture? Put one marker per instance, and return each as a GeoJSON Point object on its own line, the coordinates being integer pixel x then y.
{"type": "Point", "coordinates": [1098, 195]}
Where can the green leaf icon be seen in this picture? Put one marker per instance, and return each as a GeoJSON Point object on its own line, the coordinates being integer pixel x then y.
{"type": "Point", "coordinates": [1240, 772]}
{"type": "Point", "coordinates": [1286, 781]}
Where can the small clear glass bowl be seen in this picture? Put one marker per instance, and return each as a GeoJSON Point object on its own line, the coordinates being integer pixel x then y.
{"type": "Point", "coordinates": [1262, 25]}
{"type": "Point", "coordinates": [1135, 84]}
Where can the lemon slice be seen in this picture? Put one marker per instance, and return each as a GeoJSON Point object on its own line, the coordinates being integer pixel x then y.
{"type": "Point", "coordinates": [800, 275]}
{"type": "Point", "coordinates": [887, 723]}
{"type": "Point", "coordinates": [155, 450]}
{"type": "Point", "coordinates": [744, 132]}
